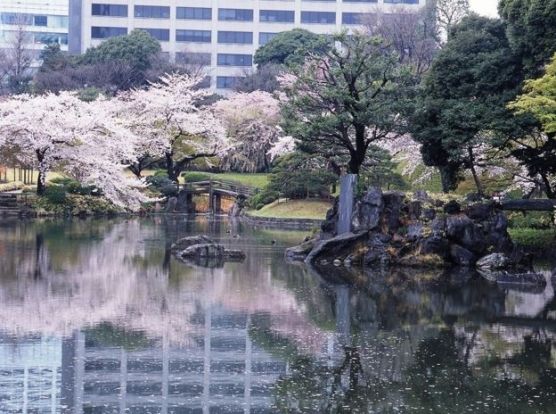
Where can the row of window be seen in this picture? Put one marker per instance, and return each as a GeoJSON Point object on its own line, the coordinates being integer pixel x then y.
{"type": "Point", "coordinates": [205, 13]}
{"type": "Point", "coordinates": [40, 38]}
{"type": "Point", "coordinates": [205, 36]}
{"type": "Point", "coordinates": [26, 19]}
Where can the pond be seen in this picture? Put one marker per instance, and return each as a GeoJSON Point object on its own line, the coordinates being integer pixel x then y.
{"type": "Point", "coordinates": [97, 316]}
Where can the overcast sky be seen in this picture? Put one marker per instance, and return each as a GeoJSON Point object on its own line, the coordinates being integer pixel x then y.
{"type": "Point", "coordinates": [485, 7]}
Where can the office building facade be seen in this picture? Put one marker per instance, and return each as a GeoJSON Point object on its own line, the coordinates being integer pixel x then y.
{"type": "Point", "coordinates": [40, 22]}
{"type": "Point", "coordinates": [220, 35]}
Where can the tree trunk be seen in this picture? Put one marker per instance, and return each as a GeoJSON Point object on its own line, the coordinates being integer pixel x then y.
{"type": "Point", "coordinates": [478, 184]}
{"type": "Point", "coordinates": [170, 170]}
{"type": "Point", "coordinates": [41, 181]}
{"type": "Point", "coordinates": [548, 188]}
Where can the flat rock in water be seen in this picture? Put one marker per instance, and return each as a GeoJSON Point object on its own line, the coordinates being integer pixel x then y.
{"type": "Point", "coordinates": [186, 242]}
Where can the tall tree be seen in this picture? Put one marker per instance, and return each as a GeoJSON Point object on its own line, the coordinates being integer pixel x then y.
{"type": "Point", "coordinates": [16, 58]}
{"type": "Point", "coordinates": [175, 124]}
{"type": "Point", "coordinates": [532, 31]}
{"type": "Point", "coordinates": [463, 104]}
{"type": "Point", "coordinates": [81, 139]}
{"type": "Point", "coordinates": [252, 121]}
{"type": "Point", "coordinates": [412, 35]}
{"type": "Point", "coordinates": [290, 47]}
{"type": "Point", "coordinates": [538, 154]}
{"type": "Point", "coordinates": [449, 13]}
{"type": "Point", "coordinates": [347, 97]}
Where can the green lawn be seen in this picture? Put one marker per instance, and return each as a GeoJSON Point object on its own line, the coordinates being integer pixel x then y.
{"type": "Point", "coordinates": [249, 180]}
{"type": "Point", "coordinates": [295, 209]}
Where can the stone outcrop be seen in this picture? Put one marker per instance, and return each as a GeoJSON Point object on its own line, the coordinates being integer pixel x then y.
{"type": "Point", "coordinates": [203, 251]}
{"type": "Point", "coordinates": [391, 228]}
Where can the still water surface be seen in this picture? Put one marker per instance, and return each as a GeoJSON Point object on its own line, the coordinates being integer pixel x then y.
{"type": "Point", "coordinates": [96, 316]}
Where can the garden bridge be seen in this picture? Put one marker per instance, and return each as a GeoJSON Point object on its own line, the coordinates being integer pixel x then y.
{"type": "Point", "coordinates": [215, 190]}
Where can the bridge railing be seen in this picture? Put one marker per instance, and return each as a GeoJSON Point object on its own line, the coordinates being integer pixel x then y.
{"type": "Point", "coordinates": [224, 186]}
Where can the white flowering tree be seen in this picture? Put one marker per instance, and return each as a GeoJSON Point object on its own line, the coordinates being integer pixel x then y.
{"type": "Point", "coordinates": [173, 123]}
{"type": "Point", "coordinates": [252, 121]}
{"type": "Point", "coordinates": [81, 139]}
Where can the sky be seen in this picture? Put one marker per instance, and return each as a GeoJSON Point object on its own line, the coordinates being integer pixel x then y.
{"type": "Point", "coordinates": [485, 7]}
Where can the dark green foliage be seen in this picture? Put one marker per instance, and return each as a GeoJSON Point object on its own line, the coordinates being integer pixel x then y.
{"type": "Point", "coordinates": [195, 176]}
{"type": "Point", "coordinates": [53, 58]}
{"type": "Point", "coordinates": [531, 26]}
{"type": "Point", "coordinates": [71, 186]}
{"type": "Point", "coordinates": [380, 171]}
{"type": "Point", "coordinates": [347, 98]}
{"type": "Point", "coordinates": [531, 220]}
{"type": "Point", "coordinates": [262, 198]}
{"type": "Point", "coordinates": [163, 184]}
{"type": "Point", "coordinates": [136, 49]}
{"type": "Point", "coordinates": [118, 63]}
{"type": "Point", "coordinates": [465, 96]}
{"type": "Point", "coordinates": [55, 194]}
{"type": "Point", "coordinates": [298, 176]}
{"type": "Point", "coordinates": [291, 47]}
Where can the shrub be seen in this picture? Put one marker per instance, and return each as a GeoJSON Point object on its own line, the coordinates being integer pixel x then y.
{"type": "Point", "coordinates": [262, 198]}
{"type": "Point", "coordinates": [163, 184]}
{"type": "Point", "coordinates": [299, 176]}
{"type": "Point", "coordinates": [531, 220]}
{"type": "Point", "coordinates": [55, 194]}
{"type": "Point", "coordinates": [194, 176]}
{"type": "Point", "coordinates": [13, 186]}
{"type": "Point", "coordinates": [75, 187]}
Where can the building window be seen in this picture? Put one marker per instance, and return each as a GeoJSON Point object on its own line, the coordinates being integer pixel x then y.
{"type": "Point", "coordinates": [162, 35]}
{"type": "Point", "coordinates": [277, 16]}
{"type": "Point", "coordinates": [264, 38]}
{"type": "Point", "coordinates": [152, 12]}
{"type": "Point", "coordinates": [105, 32]}
{"type": "Point", "coordinates": [235, 37]}
{"type": "Point", "coordinates": [231, 59]}
{"type": "Point", "coordinates": [49, 38]}
{"type": "Point", "coordinates": [354, 18]}
{"type": "Point", "coordinates": [187, 58]}
{"type": "Point", "coordinates": [41, 21]}
{"type": "Point", "coordinates": [401, 1]}
{"type": "Point", "coordinates": [360, 1]}
{"type": "Point", "coordinates": [243, 15]}
{"type": "Point", "coordinates": [194, 13]}
{"type": "Point", "coordinates": [17, 19]}
{"type": "Point", "coordinates": [114, 10]}
{"type": "Point", "coordinates": [318, 17]}
{"type": "Point", "coordinates": [227, 82]}
{"type": "Point", "coordinates": [198, 36]}
{"type": "Point", "coordinates": [58, 21]}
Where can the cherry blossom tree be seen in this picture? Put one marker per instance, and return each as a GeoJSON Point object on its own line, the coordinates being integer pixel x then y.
{"type": "Point", "coordinates": [173, 123]}
{"type": "Point", "coordinates": [252, 120]}
{"type": "Point", "coordinates": [81, 139]}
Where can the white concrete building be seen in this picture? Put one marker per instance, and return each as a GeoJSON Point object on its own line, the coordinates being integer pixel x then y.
{"type": "Point", "coordinates": [221, 34]}
{"type": "Point", "coordinates": [42, 21]}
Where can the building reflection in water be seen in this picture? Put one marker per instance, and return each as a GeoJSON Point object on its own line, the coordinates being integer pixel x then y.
{"type": "Point", "coordinates": [116, 325]}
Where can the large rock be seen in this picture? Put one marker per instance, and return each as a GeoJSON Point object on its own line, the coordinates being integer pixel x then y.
{"type": "Point", "coordinates": [494, 261]}
{"type": "Point", "coordinates": [336, 247]}
{"type": "Point", "coordinates": [393, 202]}
{"type": "Point", "coordinates": [461, 256]}
{"type": "Point", "coordinates": [368, 211]}
{"type": "Point", "coordinates": [461, 230]}
{"type": "Point", "coordinates": [301, 251]}
{"type": "Point", "coordinates": [328, 226]}
{"type": "Point", "coordinates": [211, 250]}
{"type": "Point", "coordinates": [186, 242]}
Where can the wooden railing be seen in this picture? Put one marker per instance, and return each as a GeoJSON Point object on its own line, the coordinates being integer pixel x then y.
{"type": "Point", "coordinates": [219, 186]}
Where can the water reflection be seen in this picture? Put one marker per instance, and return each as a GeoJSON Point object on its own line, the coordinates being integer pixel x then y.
{"type": "Point", "coordinates": [96, 316]}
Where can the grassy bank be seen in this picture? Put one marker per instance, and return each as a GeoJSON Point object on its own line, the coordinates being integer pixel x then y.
{"type": "Point", "coordinates": [534, 239]}
{"type": "Point", "coordinates": [294, 209]}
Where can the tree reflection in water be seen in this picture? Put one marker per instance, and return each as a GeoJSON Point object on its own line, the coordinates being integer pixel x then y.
{"type": "Point", "coordinates": [111, 303]}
